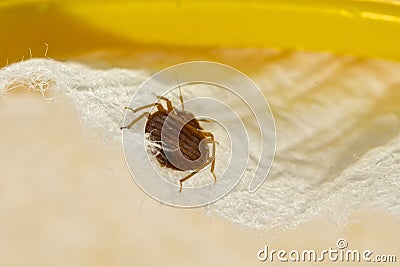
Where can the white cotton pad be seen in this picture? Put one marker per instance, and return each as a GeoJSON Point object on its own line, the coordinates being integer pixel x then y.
{"type": "Point", "coordinates": [98, 95]}
{"type": "Point", "coordinates": [337, 122]}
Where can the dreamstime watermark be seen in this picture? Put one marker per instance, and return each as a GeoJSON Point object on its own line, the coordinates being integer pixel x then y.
{"type": "Point", "coordinates": [159, 132]}
{"type": "Point", "coordinates": [340, 253]}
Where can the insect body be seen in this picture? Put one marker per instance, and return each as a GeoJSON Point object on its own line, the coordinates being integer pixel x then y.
{"type": "Point", "coordinates": [183, 145]}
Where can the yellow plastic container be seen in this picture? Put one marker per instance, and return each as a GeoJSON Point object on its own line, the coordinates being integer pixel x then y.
{"type": "Point", "coordinates": [362, 28]}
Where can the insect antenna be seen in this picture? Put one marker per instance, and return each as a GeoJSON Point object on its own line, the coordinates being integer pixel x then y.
{"type": "Point", "coordinates": [180, 91]}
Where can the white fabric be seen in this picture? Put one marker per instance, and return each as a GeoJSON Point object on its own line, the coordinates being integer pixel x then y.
{"type": "Point", "coordinates": [337, 120]}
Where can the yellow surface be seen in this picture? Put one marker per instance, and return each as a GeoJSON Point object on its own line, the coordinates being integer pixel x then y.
{"type": "Point", "coordinates": [364, 28]}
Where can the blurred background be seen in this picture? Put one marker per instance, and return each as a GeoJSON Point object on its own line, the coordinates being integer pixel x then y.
{"type": "Point", "coordinates": [75, 28]}
{"type": "Point", "coordinates": [69, 201]}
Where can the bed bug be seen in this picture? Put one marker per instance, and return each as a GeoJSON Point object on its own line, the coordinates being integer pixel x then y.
{"type": "Point", "coordinates": [168, 124]}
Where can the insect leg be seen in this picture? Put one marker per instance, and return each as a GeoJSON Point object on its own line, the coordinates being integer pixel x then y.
{"type": "Point", "coordinates": [204, 120]}
{"type": "Point", "coordinates": [211, 136]}
{"type": "Point", "coordinates": [169, 103]}
{"type": "Point", "coordinates": [135, 120]}
{"type": "Point", "coordinates": [158, 105]}
{"type": "Point", "coordinates": [187, 177]}
{"type": "Point", "coordinates": [139, 108]}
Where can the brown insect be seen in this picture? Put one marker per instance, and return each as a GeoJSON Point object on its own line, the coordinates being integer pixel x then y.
{"type": "Point", "coordinates": [172, 130]}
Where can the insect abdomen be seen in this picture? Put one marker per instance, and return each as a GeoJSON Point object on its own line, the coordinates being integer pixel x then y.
{"type": "Point", "coordinates": [189, 144]}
